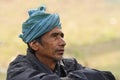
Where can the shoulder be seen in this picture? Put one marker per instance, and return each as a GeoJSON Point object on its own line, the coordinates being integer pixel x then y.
{"type": "Point", "coordinates": [72, 65]}
{"type": "Point", "coordinates": [107, 74]}
{"type": "Point", "coordinates": [95, 74]}
{"type": "Point", "coordinates": [20, 63]}
{"type": "Point", "coordinates": [17, 67]}
{"type": "Point", "coordinates": [20, 59]}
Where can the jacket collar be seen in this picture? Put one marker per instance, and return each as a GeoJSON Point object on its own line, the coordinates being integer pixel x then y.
{"type": "Point", "coordinates": [59, 68]}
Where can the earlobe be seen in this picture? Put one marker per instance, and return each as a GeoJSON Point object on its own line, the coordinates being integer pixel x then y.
{"type": "Point", "coordinates": [34, 45]}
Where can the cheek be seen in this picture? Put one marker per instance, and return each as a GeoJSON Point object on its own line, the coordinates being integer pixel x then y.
{"type": "Point", "coordinates": [49, 44]}
{"type": "Point", "coordinates": [51, 48]}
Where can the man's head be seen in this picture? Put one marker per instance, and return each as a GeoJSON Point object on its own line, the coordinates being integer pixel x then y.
{"type": "Point", "coordinates": [38, 23]}
{"type": "Point", "coordinates": [51, 45]}
{"type": "Point", "coordinates": [42, 32]}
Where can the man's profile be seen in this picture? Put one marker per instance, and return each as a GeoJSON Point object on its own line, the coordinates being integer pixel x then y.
{"type": "Point", "coordinates": [42, 32]}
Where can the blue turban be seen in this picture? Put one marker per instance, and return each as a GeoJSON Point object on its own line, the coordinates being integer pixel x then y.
{"type": "Point", "coordinates": [38, 23]}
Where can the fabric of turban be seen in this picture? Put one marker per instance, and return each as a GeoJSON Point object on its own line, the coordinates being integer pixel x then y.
{"type": "Point", "coordinates": [38, 23]}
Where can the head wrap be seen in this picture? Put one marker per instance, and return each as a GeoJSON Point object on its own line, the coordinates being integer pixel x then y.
{"type": "Point", "coordinates": [38, 23]}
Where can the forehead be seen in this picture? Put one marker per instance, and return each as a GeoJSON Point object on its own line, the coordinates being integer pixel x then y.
{"type": "Point", "coordinates": [55, 30]}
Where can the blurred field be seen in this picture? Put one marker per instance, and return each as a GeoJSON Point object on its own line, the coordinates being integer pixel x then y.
{"type": "Point", "coordinates": [91, 27]}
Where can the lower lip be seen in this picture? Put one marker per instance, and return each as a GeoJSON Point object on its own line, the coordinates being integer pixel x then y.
{"type": "Point", "coordinates": [60, 52]}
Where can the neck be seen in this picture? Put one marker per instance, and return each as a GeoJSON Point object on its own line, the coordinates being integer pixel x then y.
{"type": "Point", "coordinates": [47, 61]}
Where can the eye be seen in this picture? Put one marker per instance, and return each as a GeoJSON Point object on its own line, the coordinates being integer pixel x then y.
{"type": "Point", "coordinates": [62, 35]}
{"type": "Point", "coordinates": [55, 35]}
{"type": "Point", "coordinates": [58, 35]}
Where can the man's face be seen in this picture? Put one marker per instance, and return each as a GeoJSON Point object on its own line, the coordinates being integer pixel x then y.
{"type": "Point", "coordinates": [52, 45]}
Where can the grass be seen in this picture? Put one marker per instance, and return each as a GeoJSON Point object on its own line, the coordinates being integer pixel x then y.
{"type": "Point", "coordinates": [91, 31]}
{"type": "Point", "coordinates": [2, 76]}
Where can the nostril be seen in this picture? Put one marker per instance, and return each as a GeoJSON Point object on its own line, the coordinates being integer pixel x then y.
{"type": "Point", "coordinates": [63, 45]}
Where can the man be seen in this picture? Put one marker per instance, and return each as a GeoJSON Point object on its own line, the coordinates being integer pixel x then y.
{"type": "Point", "coordinates": [44, 60]}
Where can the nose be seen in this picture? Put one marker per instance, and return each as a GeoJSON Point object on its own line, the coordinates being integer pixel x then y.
{"type": "Point", "coordinates": [62, 42]}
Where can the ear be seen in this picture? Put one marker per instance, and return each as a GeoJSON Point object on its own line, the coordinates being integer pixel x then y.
{"type": "Point", "coordinates": [34, 45]}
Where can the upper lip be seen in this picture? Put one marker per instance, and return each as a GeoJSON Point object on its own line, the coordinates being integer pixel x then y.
{"type": "Point", "coordinates": [60, 50]}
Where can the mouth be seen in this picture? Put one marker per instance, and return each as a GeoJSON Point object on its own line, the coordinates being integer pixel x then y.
{"type": "Point", "coordinates": [60, 51]}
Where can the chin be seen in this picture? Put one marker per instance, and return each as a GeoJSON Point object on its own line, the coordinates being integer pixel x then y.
{"type": "Point", "coordinates": [58, 58]}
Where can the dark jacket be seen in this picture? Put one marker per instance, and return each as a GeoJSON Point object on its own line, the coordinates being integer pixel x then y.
{"type": "Point", "coordinates": [30, 68]}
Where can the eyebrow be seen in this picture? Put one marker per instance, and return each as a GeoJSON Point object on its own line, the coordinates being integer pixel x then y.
{"type": "Point", "coordinates": [58, 33]}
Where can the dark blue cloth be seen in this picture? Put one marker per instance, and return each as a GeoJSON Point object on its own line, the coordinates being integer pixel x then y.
{"type": "Point", "coordinates": [30, 68]}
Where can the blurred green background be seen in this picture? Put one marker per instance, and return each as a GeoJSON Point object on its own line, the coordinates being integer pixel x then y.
{"type": "Point", "coordinates": [91, 30]}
